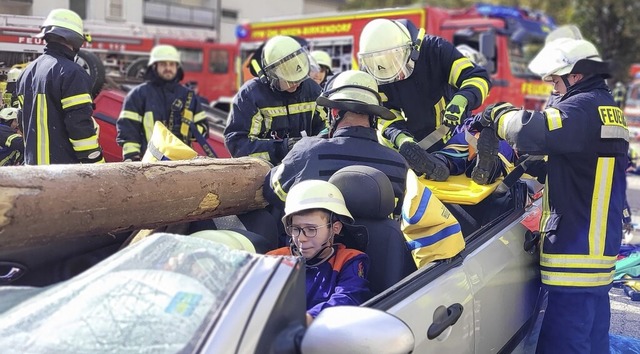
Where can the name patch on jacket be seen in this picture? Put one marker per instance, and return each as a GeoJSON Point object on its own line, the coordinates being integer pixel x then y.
{"type": "Point", "coordinates": [614, 123]}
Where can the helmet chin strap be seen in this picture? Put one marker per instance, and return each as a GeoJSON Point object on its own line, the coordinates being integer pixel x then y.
{"type": "Point", "coordinates": [317, 258]}
{"type": "Point", "coordinates": [565, 80]}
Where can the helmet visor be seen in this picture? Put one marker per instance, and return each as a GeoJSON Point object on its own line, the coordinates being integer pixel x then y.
{"type": "Point", "coordinates": [290, 70]}
{"type": "Point", "coordinates": [387, 65]}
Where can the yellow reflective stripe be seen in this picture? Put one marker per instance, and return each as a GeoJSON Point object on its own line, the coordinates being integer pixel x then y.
{"type": "Point", "coordinates": [134, 116]}
{"type": "Point", "coordinates": [503, 122]}
{"type": "Point", "coordinates": [71, 101]}
{"type": "Point", "coordinates": [4, 161]}
{"type": "Point", "coordinates": [271, 112]}
{"type": "Point", "coordinates": [439, 109]}
{"type": "Point", "coordinates": [147, 123]}
{"type": "Point", "coordinates": [323, 115]}
{"type": "Point", "coordinates": [21, 100]}
{"type": "Point", "coordinates": [554, 119]}
{"type": "Point", "coordinates": [600, 205]}
{"type": "Point", "coordinates": [261, 155]}
{"type": "Point", "coordinates": [129, 147]}
{"type": "Point", "coordinates": [275, 183]}
{"type": "Point", "coordinates": [42, 131]}
{"type": "Point", "coordinates": [577, 261]}
{"type": "Point", "coordinates": [456, 69]}
{"type": "Point", "coordinates": [384, 124]}
{"type": "Point", "coordinates": [200, 116]}
{"type": "Point", "coordinates": [85, 144]}
{"type": "Point", "coordinates": [10, 139]}
{"type": "Point", "coordinates": [546, 213]}
{"type": "Point", "coordinates": [481, 84]}
{"type": "Point", "coordinates": [576, 279]}
{"type": "Point", "coordinates": [256, 124]}
{"type": "Point", "coordinates": [302, 107]}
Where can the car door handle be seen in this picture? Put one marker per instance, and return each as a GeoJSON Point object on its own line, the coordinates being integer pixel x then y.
{"type": "Point", "coordinates": [444, 318]}
{"type": "Point", "coordinates": [10, 271]}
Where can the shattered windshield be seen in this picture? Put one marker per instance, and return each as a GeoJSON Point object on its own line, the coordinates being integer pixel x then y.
{"type": "Point", "coordinates": [156, 296]}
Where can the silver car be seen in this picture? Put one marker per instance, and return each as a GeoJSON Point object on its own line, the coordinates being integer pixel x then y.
{"type": "Point", "coordinates": [176, 294]}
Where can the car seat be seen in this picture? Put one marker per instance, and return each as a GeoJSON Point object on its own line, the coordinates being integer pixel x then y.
{"type": "Point", "coordinates": [369, 196]}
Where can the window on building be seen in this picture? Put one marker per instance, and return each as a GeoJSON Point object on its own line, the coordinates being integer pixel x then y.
{"type": "Point", "coordinates": [218, 61]}
{"type": "Point", "coordinates": [115, 9]}
{"type": "Point", "coordinates": [79, 7]}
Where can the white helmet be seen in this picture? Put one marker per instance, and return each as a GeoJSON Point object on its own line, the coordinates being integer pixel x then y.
{"type": "Point", "coordinates": [354, 91]}
{"type": "Point", "coordinates": [567, 55]}
{"type": "Point", "coordinates": [13, 74]}
{"type": "Point", "coordinates": [474, 55]}
{"type": "Point", "coordinates": [164, 52]}
{"type": "Point", "coordinates": [385, 50]}
{"type": "Point", "coordinates": [9, 113]}
{"type": "Point", "coordinates": [285, 62]}
{"type": "Point", "coordinates": [66, 24]}
{"type": "Point", "coordinates": [566, 31]}
{"type": "Point", "coordinates": [315, 194]}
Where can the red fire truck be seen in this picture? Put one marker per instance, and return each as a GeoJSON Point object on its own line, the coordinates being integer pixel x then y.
{"type": "Point", "coordinates": [508, 37]}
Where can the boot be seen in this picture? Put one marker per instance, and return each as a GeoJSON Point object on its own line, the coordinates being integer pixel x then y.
{"type": "Point", "coordinates": [422, 162]}
{"type": "Point", "coordinates": [487, 167]}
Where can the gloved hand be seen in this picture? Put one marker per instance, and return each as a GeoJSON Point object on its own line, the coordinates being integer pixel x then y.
{"type": "Point", "coordinates": [627, 228]}
{"type": "Point", "coordinates": [422, 162]}
{"type": "Point", "coordinates": [494, 111]}
{"type": "Point", "coordinates": [453, 113]}
{"type": "Point", "coordinates": [291, 142]}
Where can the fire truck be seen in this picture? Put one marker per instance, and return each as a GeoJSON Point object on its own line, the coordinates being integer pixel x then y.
{"type": "Point", "coordinates": [508, 37]}
{"type": "Point", "coordinates": [116, 59]}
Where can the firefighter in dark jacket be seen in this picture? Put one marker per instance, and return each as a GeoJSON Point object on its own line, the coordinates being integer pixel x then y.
{"type": "Point", "coordinates": [161, 98]}
{"type": "Point", "coordinates": [354, 107]}
{"type": "Point", "coordinates": [273, 111]}
{"type": "Point", "coordinates": [585, 137]}
{"type": "Point", "coordinates": [55, 99]}
{"type": "Point", "coordinates": [11, 143]}
{"type": "Point", "coordinates": [427, 82]}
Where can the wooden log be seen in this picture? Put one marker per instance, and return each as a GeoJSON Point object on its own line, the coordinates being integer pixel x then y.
{"type": "Point", "coordinates": [43, 204]}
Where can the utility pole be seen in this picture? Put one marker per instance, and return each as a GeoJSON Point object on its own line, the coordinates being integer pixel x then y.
{"type": "Point", "coordinates": [219, 20]}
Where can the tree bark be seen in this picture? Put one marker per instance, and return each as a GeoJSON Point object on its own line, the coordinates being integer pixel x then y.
{"type": "Point", "coordinates": [42, 204]}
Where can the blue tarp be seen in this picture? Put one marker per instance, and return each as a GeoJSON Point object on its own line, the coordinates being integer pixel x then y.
{"type": "Point", "coordinates": [624, 345]}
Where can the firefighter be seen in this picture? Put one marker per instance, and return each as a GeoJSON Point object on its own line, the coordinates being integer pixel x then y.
{"type": "Point", "coordinates": [619, 94]}
{"type": "Point", "coordinates": [11, 143]}
{"type": "Point", "coordinates": [354, 107]}
{"type": "Point", "coordinates": [315, 218]}
{"type": "Point", "coordinates": [161, 98]}
{"type": "Point", "coordinates": [55, 98]}
{"type": "Point", "coordinates": [321, 69]}
{"type": "Point", "coordinates": [10, 98]}
{"type": "Point", "coordinates": [271, 112]}
{"type": "Point", "coordinates": [585, 137]}
{"type": "Point", "coordinates": [427, 83]}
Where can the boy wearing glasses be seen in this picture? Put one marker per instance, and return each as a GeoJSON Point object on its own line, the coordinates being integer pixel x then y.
{"type": "Point", "coordinates": [315, 212]}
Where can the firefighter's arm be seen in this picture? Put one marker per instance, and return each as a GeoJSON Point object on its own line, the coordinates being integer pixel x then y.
{"type": "Point", "coordinates": [200, 117]}
{"type": "Point", "coordinates": [129, 126]}
{"type": "Point", "coordinates": [472, 81]}
{"type": "Point", "coordinates": [77, 107]}
{"type": "Point", "coordinates": [15, 142]}
{"type": "Point", "coordinates": [319, 121]}
{"type": "Point", "coordinates": [242, 136]}
{"type": "Point", "coordinates": [393, 133]}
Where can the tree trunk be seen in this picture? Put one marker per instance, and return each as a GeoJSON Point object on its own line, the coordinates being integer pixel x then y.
{"type": "Point", "coordinates": [42, 204]}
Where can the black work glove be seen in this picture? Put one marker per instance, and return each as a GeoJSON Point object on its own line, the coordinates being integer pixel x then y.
{"type": "Point", "coordinates": [494, 111]}
{"type": "Point", "coordinates": [422, 162]}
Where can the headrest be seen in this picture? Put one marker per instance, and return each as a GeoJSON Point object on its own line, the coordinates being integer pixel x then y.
{"type": "Point", "coordinates": [367, 191]}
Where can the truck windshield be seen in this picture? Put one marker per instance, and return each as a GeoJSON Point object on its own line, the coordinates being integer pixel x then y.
{"type": "Point", "coordinates": [520, 55]}
{"type": "Point", "coordinates": [157, 296]}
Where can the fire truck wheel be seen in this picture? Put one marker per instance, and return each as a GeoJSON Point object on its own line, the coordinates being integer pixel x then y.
{"type": "Point", "coordinates": [94, 67]}
{"type": "Point", "coordinates": [137, 68]}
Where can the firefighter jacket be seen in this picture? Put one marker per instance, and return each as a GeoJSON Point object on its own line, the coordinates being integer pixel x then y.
{"type": "Point", "coordinates": [262, 120]}
{"type": "Point", "coordinates": [54, 94]}
{"type": "Point", "coordinates": [11, 146]}
{"type": "Point", "coordinates": [341, 280]}
{"type": "Point", "coordinates": [319, 158]}
{"type": "Point", "coordinates": [585, 137]}
{"type": "Point", "coordinates": [439, 73]}
{"type": "Point", "coordinates": [158, 100]}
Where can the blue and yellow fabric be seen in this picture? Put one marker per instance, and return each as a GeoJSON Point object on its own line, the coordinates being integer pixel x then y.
{"type": "Point", "coordinates": [431, 231]}
{"type": "Point", "coordinates": [165, 146]}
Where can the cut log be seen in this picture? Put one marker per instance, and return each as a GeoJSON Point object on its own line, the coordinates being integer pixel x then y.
{"type": "Point", "coordinates": [43, 204]}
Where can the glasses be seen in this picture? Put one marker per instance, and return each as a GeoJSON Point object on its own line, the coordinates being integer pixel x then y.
{"type": "Point", "coordinates": [308, 231]}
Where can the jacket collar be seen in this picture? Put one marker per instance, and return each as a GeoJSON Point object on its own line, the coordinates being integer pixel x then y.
{"type": "Point", "coordinates": [356, 132]}
{"type": "Point", "coordinates": [61, 49]}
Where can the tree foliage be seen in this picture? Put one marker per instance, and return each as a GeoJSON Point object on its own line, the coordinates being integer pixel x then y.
{"type": "Point", "coordinates": [612, 25]}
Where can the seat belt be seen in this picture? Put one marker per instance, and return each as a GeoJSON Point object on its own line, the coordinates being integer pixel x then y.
{"type": "Point", "coordinates": [189, 125]}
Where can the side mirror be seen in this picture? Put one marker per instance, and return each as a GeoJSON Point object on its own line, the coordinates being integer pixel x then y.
{"type": "Point", "coordinates": [354, 330]}
{"type": "Point", "coordinates": [488, 48]}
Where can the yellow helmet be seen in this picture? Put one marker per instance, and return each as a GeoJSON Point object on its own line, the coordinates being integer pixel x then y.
{"type": "Point", "coordinates": [66, 24]}
{"type": "Point", "coordinates": [315, 194]}
{"type": "Point", "coordinates": [164, 52]}
{"type": "Point", "coordinates": [322, 58]}
{"type": "Point", "coordinates": [285, 62]}
{"type": "Point", "coordinates": [14, 74]}
{"type": "Point", "coordinates": [385, 50]}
